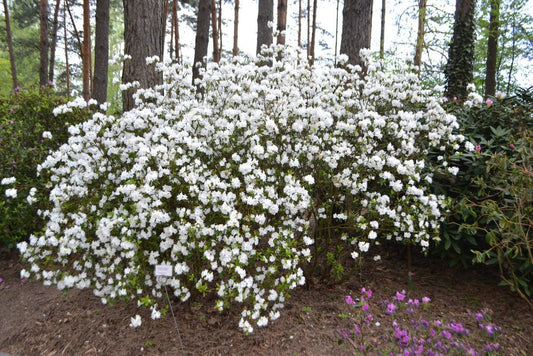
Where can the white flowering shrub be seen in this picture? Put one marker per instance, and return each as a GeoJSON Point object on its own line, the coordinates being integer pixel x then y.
{"type": "Point", "coordinates": [234, 187]}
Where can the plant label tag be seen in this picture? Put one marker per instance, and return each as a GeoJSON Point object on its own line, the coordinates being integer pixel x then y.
{"type": "Point", "coordinates": [163, 270]}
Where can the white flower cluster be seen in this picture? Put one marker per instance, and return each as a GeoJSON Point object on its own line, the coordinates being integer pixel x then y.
{"type": "Point", "coordinates": [222, 186]}
{"type": "Point", "coordinates": [9, 192]}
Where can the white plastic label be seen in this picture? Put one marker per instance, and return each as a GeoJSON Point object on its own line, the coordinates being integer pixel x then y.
{"type": "Point", "coordinates": [163, 270]}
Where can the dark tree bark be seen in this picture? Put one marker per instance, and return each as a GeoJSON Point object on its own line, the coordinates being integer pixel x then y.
{"type": "Point", "coordinates": [43, 46]}
{"type": "Point", "coordinates": [214, 32]}
{"type": "Point", "coordinates": [382, 34]}
{"type": "Point", "coordinates": [143, 37]}
{"type": "Point", "coordinates": [356, 29]}
{"type": "Point", "coordinates": [265, 14]}
{"type": "Point", "coordinates": [67, 69]}
{"type": "Point", "coordinates": [236, 28]}
{"type": "Point", "coordinates": [308, 28]}
{"type": "Point", "coordinates": [175, 33]}
{"type": "Point", "coordinates": [101, 51]}
{"type": "Point", "coordinates": [202, 36]}
{"type": "Point", "coordinates": [460, 67]}
{"type": "Point", "coordinates": [9, 38]}
{"type": "Point", "coordinates": [54, 42]}
{"type": "Point", "coordinates": [313, 34]}
{"type": "Point", "coordinates": [492, 48]}
{"type": "Point", "coordinates": [219, 21]}
{"type": "Point", "coordinates": [86, 52]}
{"type": "Point", "coordinates": [282, 21]}
{"type": "Point", "coordinates": [422, 4]}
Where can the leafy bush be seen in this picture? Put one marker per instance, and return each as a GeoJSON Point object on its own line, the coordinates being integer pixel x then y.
{"type": "Point", "coordinates": [232, 187]}
{"type": "Point", "coordinates": [494, 190]}
{"type": "Point", "coordinates": [28, 132]}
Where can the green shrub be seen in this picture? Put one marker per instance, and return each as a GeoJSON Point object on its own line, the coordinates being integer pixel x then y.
{"type": "Point", "coordinates": [490, 220]}
{"type": "Point", "coordinates": [28, 132]}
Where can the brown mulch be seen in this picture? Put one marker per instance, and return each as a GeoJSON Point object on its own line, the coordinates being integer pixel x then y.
{"type": "Point", "coordinates": [39, 320]}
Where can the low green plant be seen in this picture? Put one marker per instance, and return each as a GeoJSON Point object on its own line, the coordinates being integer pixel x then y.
{"type": "Point", "coordinates": [28, 132]}
{"type": "Point", "coordinates": [490, 220]}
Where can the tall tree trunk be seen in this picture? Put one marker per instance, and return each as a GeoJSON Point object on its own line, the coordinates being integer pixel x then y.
{"type": "Point", "coordinates": [220, 28]}
{"type": "Point", "coordinates": [460, 67]}
{"type": "Point", "coordinates": [336, 30]}
{"type": "Point", "coordinates": [54, 42]}
{"type": "Point", "coordinates": [356, 29]}
{"type": "Point", "coordinates": [382, 34]}
{"type": "Point", "coordinates": [236, 28]}
{"type": "Point", "coordinates": [9, 38]}
{"type": "Point", "coordinates": [202, 37]}
{"type": "Point", "coordinates": [300, 23]}
{"type": "Point", "coordinates": [313, 36]}
{"type": "Point", "coordinates": [176, 34]}
{"type": "Point", "coordinates": [422, 4]}
{"type": "Point", "coordinates": [67, 69]}
{"type": "Point", "coordinates": [308, 28]}
{"type": "Point", "coordinates": [43, 46]}
{"type": "Point", "coordinates": [214, 32]}
{"type": "Point", "coordinates": [143, 37]}
{"type": "Point", "coordinates": [101, 51]}
{"type": "Point", "coordinates": [282, 21]}
{"type": "Point", "coordinates": [86, 53]}
{"type": "Point", "coordinates": [265, 14]}
{"type": "Point", "coordinates": [492, 48]}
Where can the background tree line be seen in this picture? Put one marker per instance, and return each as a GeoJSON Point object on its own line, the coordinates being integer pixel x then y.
{"type": "Point", "coordinates": [480, 42]}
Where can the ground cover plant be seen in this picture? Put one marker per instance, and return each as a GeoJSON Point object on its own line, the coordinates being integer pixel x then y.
{"type": "Point", "coordinates": [243, 188]}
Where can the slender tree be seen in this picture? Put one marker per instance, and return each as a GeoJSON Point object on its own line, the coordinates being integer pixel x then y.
{"type": "Point", "coordinates": [313, 33]}
{"type": "Point", "coordinates": [265, 14]}
{"type": "Point", "coordinates": [67, 69]}
{"type": "Point", "coordinates": [202, 37]}
{"type": "Point", "coordinates": [101, 51]}
{"type": "Point", "coordinates": [422, 5]}
{"type": "Point", "coordinates": [300, 23]}
{"type": "Point", "coordinates": [492, 48]}
{"type": "Point", "coordinates": [460, 66]}
{"type": "Point", "coordinates": [143, 37]}
{"type": "Point", "coordinates": [219, 21]}
{"type": "Point", "coordinates": [236, 28]}
{"type": "Point", "coordinates": [382, 34]}
{"type": "Point", "coordinates": [356, 29]}
{"type": "Point", "coordinates": [214, 32]}
{"type": "Point", "coordinates": [43, 46]}
{"type": "Point", "coordinates": [53, 45]}
{"type": "Point", "coordinates": [86, 52]}
{"type": "Point", "coordinates": [174, 33]}
{"type": "Point", "coordinates": [308, 28]}
{"type": "Point", "coordinates": [9, 38]}
{"type": "Point", "coordinates": [336, 30]}
{"type": "Point", "coordinates": [282, 21]}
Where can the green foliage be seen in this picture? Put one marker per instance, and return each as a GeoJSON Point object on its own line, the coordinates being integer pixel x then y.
{"type": "Point", "coordinates": [24, 117]}
{"type": "Point", "coordinates": [490, 220]}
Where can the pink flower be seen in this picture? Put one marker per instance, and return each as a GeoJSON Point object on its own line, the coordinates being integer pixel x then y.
{"type": "Point", "coordinates": [478, 148]}
{"type": "Point", "coordinates": [349, 300]}
{"type": "Point", "coordinates": [391, 308]}
{"type": "Point", "coordinates": [426, 300]}
{"type": "Point", "coordinates": [489, 102]}
{"type": "Point", "coordinates": [512, 145]}
{"type": "Point", "coordinates": [356, 329]}
{"type": "Point", "coordinates": [400, 296]}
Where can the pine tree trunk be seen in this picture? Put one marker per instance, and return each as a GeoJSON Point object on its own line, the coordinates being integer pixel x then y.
{"type": "Point", "coordinates": [9, 38]}
{"type": "Point", "coordinates": [214, 32]}
{"type": "Point", "coordinates": [175, 38]}
{"type": "Point", "coordinates": [86, 52]}
{"type": "Point", "coordinates": [308, 46]}
{"type": "Point", "coordinates": [54, 42]}
{"type": "Point", "coordinates": [67, 69]}
{"type": "Point", "coordinates": [236, 28]}
{"type": "Point", "coordinates": [43, 46]}
{"type": "Point", "coordinates": [460, 67]}
{"type": "Point", "coordinates": [101, 51]}
{"type": "Point", "coordinates": [382, 34]}
{"type": "Point", "coordinates": [313, 36]}
{"type": "Point", "coordinates": [143, 37]}
{"type": "Point", "coordinates": [202, 37]}
{"type": "Point", "coordinates": [282, 21]}
{"type": "Point", "coordinates": [356, 29]}
{"type": "Point", "coordinates": [422, 4]}
{"type": "Point", "coordinates": [265, 14]}
{"type": "Point", "coordinates": [300, 23]}
{"type": "Point", "coordinates": [220, 28]}
{"type": "Point", "coordinates": [492, 48]}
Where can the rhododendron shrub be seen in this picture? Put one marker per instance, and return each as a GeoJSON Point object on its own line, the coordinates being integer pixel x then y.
{"type": "Point", "coordinates": [232, 187]}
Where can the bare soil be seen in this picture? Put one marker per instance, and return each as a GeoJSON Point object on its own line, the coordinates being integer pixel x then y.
{"type": "Point", "coordinates": [39, 320]}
